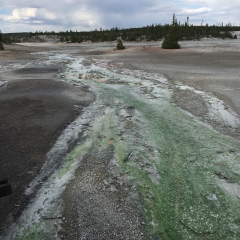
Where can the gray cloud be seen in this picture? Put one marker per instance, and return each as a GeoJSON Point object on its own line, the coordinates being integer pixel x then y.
{"type": "Point", "coordinates": [91, 14]}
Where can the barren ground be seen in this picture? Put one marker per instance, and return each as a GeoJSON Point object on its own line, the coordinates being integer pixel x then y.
{"type": "Point", "coordinates": [130, 164]}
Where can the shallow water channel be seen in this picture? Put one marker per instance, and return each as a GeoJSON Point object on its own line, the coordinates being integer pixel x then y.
{"type": "Point", "coordinates": [188, 174]}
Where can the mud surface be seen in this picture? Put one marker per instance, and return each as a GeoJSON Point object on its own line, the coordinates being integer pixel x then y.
{"type": "Point", "coordinates": [33, 114]}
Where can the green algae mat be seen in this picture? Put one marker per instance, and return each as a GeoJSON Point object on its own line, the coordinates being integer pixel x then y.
{"type": "Point", "coordinates": [187, 173]}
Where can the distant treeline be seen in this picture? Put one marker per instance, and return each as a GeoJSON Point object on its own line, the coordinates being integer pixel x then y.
{"type": "Point", "coordinates": [152, 32]}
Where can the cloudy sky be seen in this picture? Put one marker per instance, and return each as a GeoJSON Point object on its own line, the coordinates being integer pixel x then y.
{"type": "Point", "coordinates": [84, 15]}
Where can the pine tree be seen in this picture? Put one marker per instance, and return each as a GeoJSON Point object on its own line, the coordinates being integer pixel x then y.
{"type": "Point", "coordinates": [1, 45]}
{"type": "Point", "coordinates": [171, 40]}
{"type": "Point", "coordinates": [120, 45]}
{"type": "Point", "coordinates": [80, 39]}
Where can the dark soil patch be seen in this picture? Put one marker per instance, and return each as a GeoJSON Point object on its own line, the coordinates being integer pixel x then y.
{"type": "Point", "coordinates": [33, 115]}
{"type": "Point", "coordinates": [36, 70]}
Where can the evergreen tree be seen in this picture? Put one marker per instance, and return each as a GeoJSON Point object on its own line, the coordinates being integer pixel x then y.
{"type": "Point", "coordinates": [132, 37]}
{"type": "Point", "coordinates": [124, 35]}
{"type": "Point", "coordinates": [198, 35]}
{"type": "Point", "coordinates": [1, 45]}
{"type": "Point", "coordinates": [73, 38]}
{"type": "Point", "coordinates": [120, 45]}
{"type": "Point", "coordinates": [80, 39]}
{"type": "Point", "coordinates": [171, 40]}
{"type": "Point", "coordinates": [112, 36]}
{"type": "Point", "coordinates": [67, 39]}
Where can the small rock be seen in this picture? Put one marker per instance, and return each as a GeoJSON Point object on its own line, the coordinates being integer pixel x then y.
{"type": "Point", "coordinates": [211, 197]}
{"type": "Point", "coordinates": [105, 182]}
{"type": "Point", "coordinates": [127, 157]}
{"type": "Point", "coordinates": [113, 189]}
